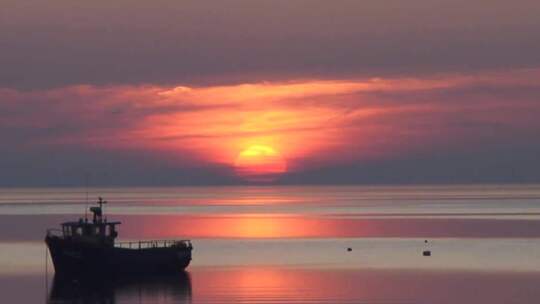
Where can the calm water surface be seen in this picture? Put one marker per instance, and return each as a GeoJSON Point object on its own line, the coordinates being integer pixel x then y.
{"type": "Point", "coordinates": [289, 244]}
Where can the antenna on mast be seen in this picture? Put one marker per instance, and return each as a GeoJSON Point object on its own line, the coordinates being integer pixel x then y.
{"type": "Point", "coordinates": [86, 203]}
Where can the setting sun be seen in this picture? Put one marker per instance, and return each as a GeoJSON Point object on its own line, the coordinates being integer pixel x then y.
{"type": "Point", "coordinates": [260, 163]}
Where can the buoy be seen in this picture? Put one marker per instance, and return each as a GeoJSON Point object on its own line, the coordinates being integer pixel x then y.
{"type": "Point", "coordinates": [349, 249]}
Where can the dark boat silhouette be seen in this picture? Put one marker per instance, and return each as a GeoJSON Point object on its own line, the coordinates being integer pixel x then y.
{"type": "Point", "coordinates": [85, 248]}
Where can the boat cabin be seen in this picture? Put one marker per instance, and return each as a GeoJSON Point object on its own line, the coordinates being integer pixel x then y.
{"type": "Point", "coordinates": [97, 231]}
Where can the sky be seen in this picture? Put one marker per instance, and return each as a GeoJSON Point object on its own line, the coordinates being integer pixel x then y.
{"type": "Point", "coordinates": [269, 92]}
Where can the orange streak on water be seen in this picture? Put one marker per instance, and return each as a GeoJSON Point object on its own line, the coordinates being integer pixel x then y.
{"type": "Point", "coordinates": [278, 285]}
{"type": "Point", "coordinates": [297, 226]}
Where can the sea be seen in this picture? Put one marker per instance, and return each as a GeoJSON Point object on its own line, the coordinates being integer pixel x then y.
{"type": "Point", "coordinates": [292, 244]}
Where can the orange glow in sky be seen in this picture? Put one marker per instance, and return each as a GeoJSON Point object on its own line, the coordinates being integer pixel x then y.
{"type": "Point", "coordinates": [261, 131]}
{"type": "Point", "coordinates": [257, 129]}
{"type": "Point", "coordinates": [260, 163]}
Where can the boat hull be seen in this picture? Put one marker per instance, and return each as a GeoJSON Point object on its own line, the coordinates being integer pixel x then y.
{"type": "Point", "coordinates": [75, 259]}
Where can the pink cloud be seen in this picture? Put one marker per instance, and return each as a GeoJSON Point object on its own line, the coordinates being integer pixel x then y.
{"type": "Point", "coordinates": [324, 120]}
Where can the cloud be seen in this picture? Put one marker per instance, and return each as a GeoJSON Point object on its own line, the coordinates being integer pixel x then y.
{"type": "Point", "coordinates": [59, 43]}
{"type": "Point", "coordinates": [312, 123]}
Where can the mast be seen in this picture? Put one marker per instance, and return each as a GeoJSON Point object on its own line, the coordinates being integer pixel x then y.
{"type": "Point", "coordinates": [98, 211]}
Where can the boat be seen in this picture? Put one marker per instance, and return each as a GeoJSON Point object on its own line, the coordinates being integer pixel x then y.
{"type": "Point", "coordinates": [89, 247]}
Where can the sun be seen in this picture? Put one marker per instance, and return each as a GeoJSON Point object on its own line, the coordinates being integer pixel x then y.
{"type": "Point", "coordinates": [260, 163]}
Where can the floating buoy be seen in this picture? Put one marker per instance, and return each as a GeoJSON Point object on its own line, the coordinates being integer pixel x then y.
{"type": "Point", "coordinates": [426, 252]}
{"type": "Point", "coordinates": [349, 249]}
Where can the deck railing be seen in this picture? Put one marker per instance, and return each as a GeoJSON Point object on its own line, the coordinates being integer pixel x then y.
{"type": "Point", "coordinates": [154, 244]}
